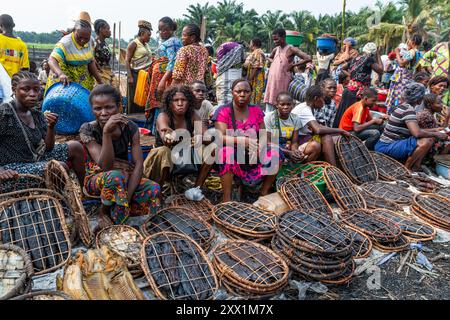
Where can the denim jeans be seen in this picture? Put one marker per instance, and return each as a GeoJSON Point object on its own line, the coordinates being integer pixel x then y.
{"type": "Point", "coordinates": [370, 136]}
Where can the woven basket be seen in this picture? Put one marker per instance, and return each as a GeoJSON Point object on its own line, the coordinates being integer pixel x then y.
{"type": "Point", "coordinates": [402, 244]}
{"type": "Point", "coordinates": [250, 267]}
{"type": "Point", "coordinates": [362, 245]}
{"type": "Point", "coordinates": [444, 192]}
{"type": "Point", "coordinates": [44, 295]}
{"type": "Point", "coordinates": [133, 260]}
{"type": "Point", "coordinates": [433, 209]}
{"type": "Point", "coordinates": [376, 228]}
{"type": "Point", "coordinates": [344, 192]}
{"type": "Point", "coordinates": [164, 286]}
{"type": "Point", "coordinates": [301, 194]}
{"type": "Point", "coordinates": [22, 283]}
{"type": "Point", "coordinates": [245, 219]}
{"type": "Point", "coordinates": [57, 179]}
{"type": "Point", "coordinates": [390, 192]}
{"type": "Point", "coordinates": [203, 208]}
{"type": "Point", "coordinates": [22, 182]}
{"type": "Point", "coordinates": [356, 160]}
{"type": "Point", "coordinates": [21, 224]}
{"type": "Point", "coordinates": [180, 220]}
{"type": "Point", "coordinates": [374, 202]}
{"type": "Point", "coordinates": [389, 169]}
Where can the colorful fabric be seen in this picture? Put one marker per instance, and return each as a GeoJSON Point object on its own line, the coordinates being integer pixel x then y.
{"type": "Point", "coordinates": [112, 187]}
{"type": "Point", "coordinates": [102, 53]}
{"type": "Point", "coordinates": [400, 150]}
{"type": "Point", "coordinates": [224, 81]}
{"type": "Point", "coordinates": [169, 50]}
{"type": "Point", "coordinates": [279, 75]}
{"type": "Point", "coordinates": [356, 113]}
{"type": "Point", "coordinates": [401, 78]}
{"type": "Point", "coordinates": [256, 60]}
{"type": "Point", "coordinates": [396, 127]}
{"type": "Point", "coordinates": [229, 55]}
{"type": "Point", "coordinates": [326, 115]}
{"type": "Point", "coordinates": [360, 72]}
{"type": "Point", "coordinates": [13, 55]}
{"type": "Point", "coordinates": [299, 85]}
{"type": "Point", "coordinates": [191, 64]}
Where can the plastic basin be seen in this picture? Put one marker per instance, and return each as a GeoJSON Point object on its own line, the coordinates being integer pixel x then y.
{"type": "Point", "coordinates": [294, 38]}
{"type": "Point", "coordinates": [326, 45]}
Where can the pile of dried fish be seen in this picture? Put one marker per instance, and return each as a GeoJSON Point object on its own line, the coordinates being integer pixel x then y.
{"type": "Point", "coordinates": [356, 160]}
{"type": "Point", "coordinates": [374, 202]}
{"type": "Point", "coordinates": [411, 228]}
{"type": "Point", "coordinates": [177, 268]}
{"type": "Point", "coordinates": [302, 195]}
{"type": "Point", "coordinates": [389, 169]}
{"type": "Point", "coordinates": [244, 221]}
{"type": "Point", "coordinates": [44, 296]}
{"type": "Point", "coordinates": [390, 192]}
{"type": "Point", "coordinates": [248, 269]}
{"type": "Point", "coordinates": [343, 190]}
{"type": "Point", "coordinates": [433, 209]}
{"type": "Point", "coordinates": [124, 241]}
{"type": "Point", "coordinates": [385, 234]}
{"type": "Point", "coordinates": [99, 275]}
{"type": "Point", "coordinates": [15, 271]}
{"type": "Point", "coordinates": [422, 182]}
{"type": "Point", "coordinates": [180, 220]}
{"type": "Point", "coordinates": [203, 208]}
{"type": "Point", "coordinates": [315, 246]}
{"type": "Point", "coordinates": [37, 225]}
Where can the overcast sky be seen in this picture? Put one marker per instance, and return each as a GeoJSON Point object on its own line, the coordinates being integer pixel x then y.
{"type": "Point", "coordinates": [49, 15]}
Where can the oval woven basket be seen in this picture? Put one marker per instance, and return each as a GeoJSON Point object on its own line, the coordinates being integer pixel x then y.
{"type": "Point", "coordinates": [433, 209]}
{"type": "Point", "coordinates": [204, 208]}
{"type": "Point", "coordinates": [44, 295]}
{"type": "Point", "coordinates": [251, 267]}
{"type": "Point", "coordinates": [22, 182]}
{"type": "Point", "coordinates": [174, 264]}
{"type": "Point", "coordinates": [24, 271]}
{"type": "Point", "coordinates": [389, 169]}
{"type": "Point", "coordinates": [36, 224]}
{"type": "Point", "coordinates": [388, 191]}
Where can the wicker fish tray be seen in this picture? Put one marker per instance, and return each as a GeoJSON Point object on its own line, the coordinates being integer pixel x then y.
{"type": "Point", "coordinates": [203, 208]}
{"type": "Point", "coordinates": [22, 182]}
{"type": "Point", "coordinates": [180, 220]}
{"type": "Point", "coordinates": [432, 208]}
{"type": "Point", "coordinates": [401, 244]}
{"type": "Point", "coordinates": [444, 192]}
{"type": "Point", "coordinates": [362, 245]}
{"type": "Point", "coordinates": [37, 225]}
{"type": "Point", "coordinates": [344, 192]}
{"type": "Point", "coordinates": [245, 219]}
{"type": "Point", "coordinates": [390, 169]}
{"type": "Point", "coordinates": [177, 268]}
{"type": "Point", "coordinates": [124, 241]}
{"type": "Point", "coordinates": [376, 228]}
{"type": "Point", "coordinates": [16, 270]}
{"type": "Point", "coordinates": [374, 202]}
{"type": "Point", "coordinates": [44, 295]}
{"type": "Point", "coordinates": [411, 228]}
{"type": "Point", "coordinates": [251, 267]}
{"type": "Point", "coordinates": [57, 179]}
{"type": "Point", "coordinates": [301, 194]}
{"type": "Point", "coordinates": [391, 192]}
{"type": "Point", "coordinates": [356, 160]}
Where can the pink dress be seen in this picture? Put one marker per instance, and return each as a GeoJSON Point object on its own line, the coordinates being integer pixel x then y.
{"type": "Point", "coordinates": [279, 75]}
{"type": "Point", "coordinates": [250, 174]}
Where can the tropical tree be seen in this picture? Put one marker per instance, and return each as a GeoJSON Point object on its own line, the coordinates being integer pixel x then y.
{"type": "Point", "coordinates": [271, 21]}
{"type": "Point", "coordinates": [306, 23]}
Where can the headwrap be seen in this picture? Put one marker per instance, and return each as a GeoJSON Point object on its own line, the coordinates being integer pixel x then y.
{"type": "Point", "coordinates": [229, 54]}
{"type": "Point", "coordinates": [370, 48]}
{"type": "Point", "coordinates": [414, 92]}
{"type": "Point", "coordinates": [145, 24]}
{"type": "Point", "coordinates": [352, 41]}
{"type": "Point", "coordinates": [98, 24]}
{"type": "Point", "coordinates": [392, 55]}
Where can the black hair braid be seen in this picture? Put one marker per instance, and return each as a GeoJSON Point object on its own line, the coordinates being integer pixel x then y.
{"type": "Point", "coordinates": [22, 75]}
{"type": "Point", "coordinates": [106, 90]}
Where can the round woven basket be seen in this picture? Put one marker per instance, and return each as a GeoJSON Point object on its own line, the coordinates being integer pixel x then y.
{"type": "Point", "coordinates": [23, 284]}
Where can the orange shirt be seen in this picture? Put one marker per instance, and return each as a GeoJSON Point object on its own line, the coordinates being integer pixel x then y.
{"type": "Point", "coordinates": [356, 113]}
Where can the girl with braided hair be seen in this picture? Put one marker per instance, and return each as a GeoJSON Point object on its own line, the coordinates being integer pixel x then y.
{"type": "Point", "coordinates": [28, 136]}
{"type": "Point", "coordinates": [102, 53]}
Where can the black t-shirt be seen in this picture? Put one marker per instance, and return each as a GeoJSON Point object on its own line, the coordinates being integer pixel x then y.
{"type": "Point", "coordinates": [92, 131]}
{"type": "Point", "coordinates": [13, 145]}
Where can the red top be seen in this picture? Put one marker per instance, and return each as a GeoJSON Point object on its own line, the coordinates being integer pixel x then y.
{"type": "Point", "coordinates": [356, 113]}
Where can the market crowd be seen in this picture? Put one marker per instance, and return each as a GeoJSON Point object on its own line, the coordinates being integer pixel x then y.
{"type": "Point", "coordinates": [303, 102]}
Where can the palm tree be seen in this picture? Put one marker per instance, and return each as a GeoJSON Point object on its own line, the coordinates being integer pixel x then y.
{"type": "Point", "coordinates": [271, 21]}
{"type": "Point", "coordinates": [306, 23]}
{"type": "Point", "coordinates": [344, 5]}
{"type": "Point", "coordinates": [196, 13]}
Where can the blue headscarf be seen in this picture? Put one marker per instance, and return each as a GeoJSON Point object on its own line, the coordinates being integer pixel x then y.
{"type": "Point", "coordinates": [352, 41]}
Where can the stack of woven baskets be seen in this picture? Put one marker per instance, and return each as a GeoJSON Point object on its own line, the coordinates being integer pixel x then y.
{"type": "Point", "coordinates": [315, 246]}
{"type": "Point", "coordinates": [250, 270]}
{"type": "Point", "coordinates": [434, 209]}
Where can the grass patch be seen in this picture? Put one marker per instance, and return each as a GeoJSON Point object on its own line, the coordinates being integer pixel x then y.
{"type": "Point", "coordinates": [45, 46]}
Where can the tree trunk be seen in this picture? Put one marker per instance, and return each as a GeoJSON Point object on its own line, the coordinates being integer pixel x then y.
{"type": "Point", "coordinates": [343, 19]}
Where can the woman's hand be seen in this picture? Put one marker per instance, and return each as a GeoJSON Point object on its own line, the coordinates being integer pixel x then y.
{"type": "Point", "coordinates": [64, 79]}
{"type": "Point", "coordinates": [345, 134]}
{"type": "Point", "coordinates": [52, 119]}
{"type": "Point", "coordinates": [8, 174]}
{"type": "Point", "coordinates": [114, 122]}
{"type": "Point", "coordinates": [297, 156]}
{"type": "Point", "coordinates": [130, 79]}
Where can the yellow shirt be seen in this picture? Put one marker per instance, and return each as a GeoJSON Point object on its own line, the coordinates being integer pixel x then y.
{"type": "Point", "coordinates": [13, 54]}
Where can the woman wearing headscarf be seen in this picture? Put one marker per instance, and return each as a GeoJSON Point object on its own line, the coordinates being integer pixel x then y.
{"type": "Point", "coordinates": [360, 69]}
{"type": "Point", "coordinates": [347, 53]}
{"type": "Point", "coordinates": [162, 68]}
{"type": "Point", "coordinates": [139, 57]}
{"type": "Point", "coordinates": [102, 52]}
{"type": "Point", "coordinates": [230, 59]}
{"type": "Point", "coordinates": [254, 64]}
{"type": "Point", "coordinates": [403, 75]}
{"type": "Point", "coordinates": [72, 59]}
{"type": "Point", "coordinates": [402, 138]}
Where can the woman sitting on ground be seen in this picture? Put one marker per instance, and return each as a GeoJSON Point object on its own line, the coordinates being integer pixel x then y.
{"type": "Point", "coordinates": [178, 114]}
{"type": "Point", "coordinates": [111, 175]}
{"type": "Point", "coordinates": [440, 85]}
{"type": "Point", "coordinates": [403, 139]}
{"type": "Point", "coordinates": [246, 121]}
{"type": "Point", "coordinates": [28, 136]}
